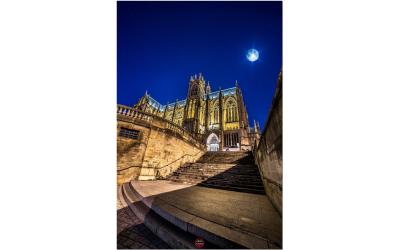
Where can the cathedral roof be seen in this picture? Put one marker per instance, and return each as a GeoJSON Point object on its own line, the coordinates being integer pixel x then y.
{"type": "Point", "coordinates": [213, 95]}
{"type": "Point", "coordinates": [225, 92]}
{"type": "Point", "coordinates": [153, 102]}
{"type": "Point", "coordinates": [172, 105]}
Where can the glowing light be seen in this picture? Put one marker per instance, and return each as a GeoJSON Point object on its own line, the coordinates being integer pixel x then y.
{"type": "Point", "coordinates": [252, 55]}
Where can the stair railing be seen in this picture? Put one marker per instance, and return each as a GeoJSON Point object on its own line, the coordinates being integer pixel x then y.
{"type": "Point", "coordinates": [157, 169]}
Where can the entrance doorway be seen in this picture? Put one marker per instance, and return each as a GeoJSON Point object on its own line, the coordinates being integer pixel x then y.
{"type": "Point", "coordinates": [212, 142]}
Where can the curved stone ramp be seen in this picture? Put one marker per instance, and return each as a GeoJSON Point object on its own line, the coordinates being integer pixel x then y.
{"type": "Point", "coordinates": [131, 232]}
{"type": "Point", "coordinates": [225, 218]}
{"type": "Point", "coordinates": [169, 233]}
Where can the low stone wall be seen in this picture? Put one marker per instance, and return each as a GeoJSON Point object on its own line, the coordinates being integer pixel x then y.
{"type": "Point", "coordinates": [160, 148]}
{"type": "Point", "coordinates": [166, 152]}
{"type": "Point", "coordinates": [268, 154]}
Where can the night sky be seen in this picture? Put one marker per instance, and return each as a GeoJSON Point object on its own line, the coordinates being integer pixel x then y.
{"type": "Point", "coordinates": [160, 45]}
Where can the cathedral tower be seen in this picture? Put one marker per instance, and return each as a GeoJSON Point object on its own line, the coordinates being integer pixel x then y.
{"type": "Point", "coordinates": [194, 110]}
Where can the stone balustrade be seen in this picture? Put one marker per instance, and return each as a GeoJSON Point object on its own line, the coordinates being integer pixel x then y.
{"type": "Point", "coordinates": [132, 113]}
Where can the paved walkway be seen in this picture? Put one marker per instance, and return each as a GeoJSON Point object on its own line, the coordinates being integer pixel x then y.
{"type": "Point", "coordinates": [132, 233]}
{"type": "Point", "coordinates": [245, 212]}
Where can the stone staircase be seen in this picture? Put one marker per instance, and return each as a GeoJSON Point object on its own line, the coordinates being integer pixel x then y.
{"type": "Point", "coordinates": [179, 212]}
{"type": "Point", "coordinates": [234, 171]}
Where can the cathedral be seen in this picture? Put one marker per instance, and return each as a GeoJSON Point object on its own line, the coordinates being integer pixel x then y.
{"type": "Point", "coordinates": [218, 117]}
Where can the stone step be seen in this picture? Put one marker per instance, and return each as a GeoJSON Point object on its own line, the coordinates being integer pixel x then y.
{"type": "Point", "coordinates": [254, 179]}
{"type": "Point", "coordinates": [236, 189]}
{"type": "Point", "coordinates": [219, 182]}
{"type": "Point", "coordinates": [165, 230]}
{"type": "Point", "coordinates": [219, 171]}
{"type": "Point", "coordinates": [251, 179]}
{"type": "Point", "coordinates": [235, 184]}
{"type": "Point", "coordinates": [222, 183]}
{"type": "Point", "coordinates": [200, 179]}
{"type": "Point", "coordinates": [253, 176]}
{"type": "Point", "coordinates": [224, 161]}
{"type": "Point", "coordinates": [191, 180]}
{"type": "Point", "coordinates": [231, 178]}
{"type": "Point", "coordinates": [209, 175]}
{"type": "Point", "coordinates": [222, 235]}
{"type": "Point", "coordinates": [211, 168]}
{"type": "Point", "coordinates": [233, 171]}
{"type": "Point", "coordinates": [226, 157]}
{"type": "Point", "coordinates": [218, 165]}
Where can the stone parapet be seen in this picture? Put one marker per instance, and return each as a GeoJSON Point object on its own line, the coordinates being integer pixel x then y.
{"type": "Point", "coordinates": [160, 147]}
{"type": "Point", "coordinates": [268, 154]}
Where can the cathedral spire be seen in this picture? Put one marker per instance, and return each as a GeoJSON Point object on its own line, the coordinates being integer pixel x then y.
{"type": "Point", "coordinates": [208, 88]}
{"type": "Point", "coordinates": [201, 77]}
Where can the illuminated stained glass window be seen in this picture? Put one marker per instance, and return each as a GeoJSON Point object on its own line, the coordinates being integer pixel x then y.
{"type": "Point", "coordinates": [231, 111]}
{"type": "Point", "coordinates": [231, 140]}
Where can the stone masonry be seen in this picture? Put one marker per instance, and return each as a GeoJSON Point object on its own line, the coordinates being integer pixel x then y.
{"type": "Point", "coordinates": [268, 154]}
{"type": "Point", "coordinates": [160, 148]}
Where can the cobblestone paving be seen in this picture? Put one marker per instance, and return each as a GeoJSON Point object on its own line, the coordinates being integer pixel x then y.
{"type": "Point", "coordinates": [132, 233]}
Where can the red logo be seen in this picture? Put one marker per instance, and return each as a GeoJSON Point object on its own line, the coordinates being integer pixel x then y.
{"type": "Point", "coordinates": [199, 243]}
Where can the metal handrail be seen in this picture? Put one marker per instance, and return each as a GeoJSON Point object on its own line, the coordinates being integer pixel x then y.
{"type": "Point", "coordinates": [178, 159]}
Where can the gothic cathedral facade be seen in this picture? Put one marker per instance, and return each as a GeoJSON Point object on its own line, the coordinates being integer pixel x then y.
{"type": "Point", "coordinates": [219, 118]}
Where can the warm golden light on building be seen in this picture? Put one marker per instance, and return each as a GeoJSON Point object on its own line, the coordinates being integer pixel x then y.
{"type": "Point", "coordinates": [205, 113]}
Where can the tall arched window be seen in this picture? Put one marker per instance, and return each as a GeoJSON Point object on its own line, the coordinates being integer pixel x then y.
{"type": "Point", "coordinates": [193, 91]}
{"type": "Point", "coordinates": [190, 107]}
{"type": "Point", "coordinates": [216, 114]}
{"type": "Point", "coordinates": [231, 111]}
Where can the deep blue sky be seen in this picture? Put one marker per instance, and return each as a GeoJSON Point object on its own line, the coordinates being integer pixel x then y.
{"type": "Point", "coordinates": [160, 45]}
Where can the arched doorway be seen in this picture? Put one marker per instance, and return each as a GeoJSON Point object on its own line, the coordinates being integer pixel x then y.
{"type": "Point", "coordinates": [212, 142]}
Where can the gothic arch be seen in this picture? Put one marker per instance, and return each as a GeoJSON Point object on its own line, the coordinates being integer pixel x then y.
{"type": "Point", "coordinates": [215, 112]}
{"type": "Point", "coordinates": [231, 110]}
{"type": "Point", "coordinates": [212, 142]}
{"type": "Point", "coordinates": [194, 90]}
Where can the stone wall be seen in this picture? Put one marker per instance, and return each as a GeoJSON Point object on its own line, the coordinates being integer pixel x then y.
{"type": "Point", "coordinates": [130, 152]}
{"type": "Point", "coordinates": [160, 149]}
{"type": "Point", "coordinates": [268, 154]}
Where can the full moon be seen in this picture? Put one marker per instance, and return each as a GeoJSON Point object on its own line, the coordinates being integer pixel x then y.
{"type": "Point", "coordinates": [252, 55]}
